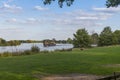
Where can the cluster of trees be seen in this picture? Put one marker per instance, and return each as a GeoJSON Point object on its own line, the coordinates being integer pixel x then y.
{"type": "Point", "coordinates": [106, 38]}
{"type": "Point", "coordinates": [3, 42]}
{"type": "Point", "coordinates": [30, 41]}
{"type": "Point", "coordinates": [57, 41]}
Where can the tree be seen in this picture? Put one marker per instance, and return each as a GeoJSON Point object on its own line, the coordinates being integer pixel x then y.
{"type": "Point", "coordinates": [117, 34]}
{"type": "Point", "coordinates": [107, 37]}
{"type": "Point", "coordinates": [81, 39]}
{"type": "Point", "coordinates": [60, 2]}
{"type": "Point", "coordinates": [2, 41]}
{"type": "Point", "coordinates": [69, 40]}
{"type": "Point", "coordinates": [112, 3]}
{"type": "Point", "coordinates": [109, 3]}
{"type": "Point", "coordinates": [94, 38]}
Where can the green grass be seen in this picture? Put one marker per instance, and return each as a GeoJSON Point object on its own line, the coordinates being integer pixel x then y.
{"type": "Point", "coordinates": [90, 61]}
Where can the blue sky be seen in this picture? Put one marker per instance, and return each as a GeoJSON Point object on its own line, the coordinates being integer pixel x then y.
{"type": "Point", "coordinates": [31, 19]}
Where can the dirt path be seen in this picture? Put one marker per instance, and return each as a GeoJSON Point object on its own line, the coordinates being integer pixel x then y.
{"type": "Point", "coordinates": [71, 77]}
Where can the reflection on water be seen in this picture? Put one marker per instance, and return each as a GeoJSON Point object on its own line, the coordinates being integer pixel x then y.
{"type": "Point", "coordinates": [27, 46]}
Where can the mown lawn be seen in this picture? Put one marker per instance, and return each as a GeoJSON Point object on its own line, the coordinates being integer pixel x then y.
{"type": "Point", "coordinates": [90, 61]}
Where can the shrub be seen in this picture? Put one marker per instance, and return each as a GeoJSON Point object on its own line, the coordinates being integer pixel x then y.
{"type": "Point", "coordinates": [45, 51]}
{"type": "Point", "coordinates": [6, 54]}
{"type": "Point", "coordinates": [35, 49]}
{"type": "Point", "coordinates": [0, 55]}
{"type": "Point", "coordinates": [62, 50]}
{"type": "Point", "coordinates": [26, 52]}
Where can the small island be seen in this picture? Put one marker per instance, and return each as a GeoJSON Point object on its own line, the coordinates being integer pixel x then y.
{"type": "Point", "coordinates": [48, 42]}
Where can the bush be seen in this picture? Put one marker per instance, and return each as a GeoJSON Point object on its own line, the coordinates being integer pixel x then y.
{"type": "Point", "coordinates": [0, 54]}
{"type": "Point", "coordinates": [27, 52]}
{"type": "Point", "coordinates": [62, 50]}
{"type": "Point", "coordinates": [16, 53]}
{"type": "Point", "coordinates": [6, 54]}
{"type": "Point", "coordinates": [45, 51]}
{"type": "Point", "coordinates": [35, 49]}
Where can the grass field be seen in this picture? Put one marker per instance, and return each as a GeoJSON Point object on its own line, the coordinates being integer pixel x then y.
{"type": "Point", "coordinates": [98, 61]}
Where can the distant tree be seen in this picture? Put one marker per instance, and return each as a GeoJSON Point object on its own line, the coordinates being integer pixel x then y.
{"type": "Point", "coordinates": [69, 40]}
{"type": "Point", "coordinates": [81, 39]}
{"type": "Point", "coordinates": [54, 39]}
{"type": "Point", "coordinates": [117, 34]}
{"type": "Point", "coordinates": [2, 41]}
{"type": "Point", "coordinates": [13, 42]}
{"type": "Point", "coordinates": [29, 41]}
{"type": "Point", "coordinates": [94, 38]}
{"type": "Point", "coordinates": [106, 37]}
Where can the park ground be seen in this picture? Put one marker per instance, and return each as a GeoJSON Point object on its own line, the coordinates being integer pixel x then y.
{"type": "Point", "coordinates": [98, 61]}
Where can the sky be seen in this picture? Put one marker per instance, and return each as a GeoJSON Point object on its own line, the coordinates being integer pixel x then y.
{"type": "Point", "coordinates": [31, 19]}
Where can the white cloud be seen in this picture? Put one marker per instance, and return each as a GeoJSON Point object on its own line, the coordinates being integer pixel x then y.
{"type": "Point", "coordinates": [79, 18]}
{"type": "Point", "coordinates": [87, 18]}
{"type": "Point", "coordinates": [39, 8]}
{"type": "Point", "coordinates": [107, 10]}
{"type": "Point", "coordinates": [10, 8]}
{"type": "Point", "coordinates": [31, 21]}
{"type": "Point", "coordinates": [27, 21]}
{"type": "Point", "coordinates": [75, 18]}
{"type": "Point", "coordinates": [12, 20]}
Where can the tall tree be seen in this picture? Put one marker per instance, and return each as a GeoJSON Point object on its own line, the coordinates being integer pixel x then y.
{"type": "Point", "coordinates": [94, 38]}
{"type": "Point", "coordinates": [117, 34]}
{"type": "Point", "coordinates": [107, 37]}
{"type": "Point", "coordinates": [81, 39]}
{"type": "Point", "coordinates": [2, 41]}
{"type": "Point", "coordinates": [69, 40]}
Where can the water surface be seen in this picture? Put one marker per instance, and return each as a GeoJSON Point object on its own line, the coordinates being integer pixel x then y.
{"type": "Point", "coordinates": [27, 46]}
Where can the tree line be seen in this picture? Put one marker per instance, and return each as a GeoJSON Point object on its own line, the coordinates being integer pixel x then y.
{"type": "Point", "coordinates": [106, 38]}
{"type": "Point", "coordinates": [3, 42]}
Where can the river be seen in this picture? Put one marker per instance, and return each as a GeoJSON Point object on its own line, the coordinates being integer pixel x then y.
{"type": "Point", "coordinates": [27, 46]}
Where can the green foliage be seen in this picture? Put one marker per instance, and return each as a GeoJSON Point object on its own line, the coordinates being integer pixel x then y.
{"type": "Point", "coordinates": [60, 2]}
{"type": "Point", "coordinates": [69, 40]}
{"type": "Point", "coordinates": [13, 43]}
{"type": "Point", "coordinates": [6, 54]}
{"type": "Point", "coordinates": [9, 43]}
{"type": "Point", "coordinates": [35, 49]}
{"type": "Point", "coordinates": [2, 41]}
{"type": "Point", "coordinates": [107, 37]}
{"type": "Point", "coordinates": [94, 38]}
{"type": "Point", "coordinates": [112, 3]}
{"type": "Point", "coordinates": [45, 51]}
{"type": "Point", "coordinates": [117, 35]}
{"type": "Point", "coordinates": [81, 39]}
{"type": "Point", "coordinates": [109, 3]}
{"type": "Point", "coordinates": [27, 52]}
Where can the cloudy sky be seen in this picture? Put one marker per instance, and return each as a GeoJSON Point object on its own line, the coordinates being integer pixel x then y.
{"type": "Point", "coordinates": [31, 19]}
